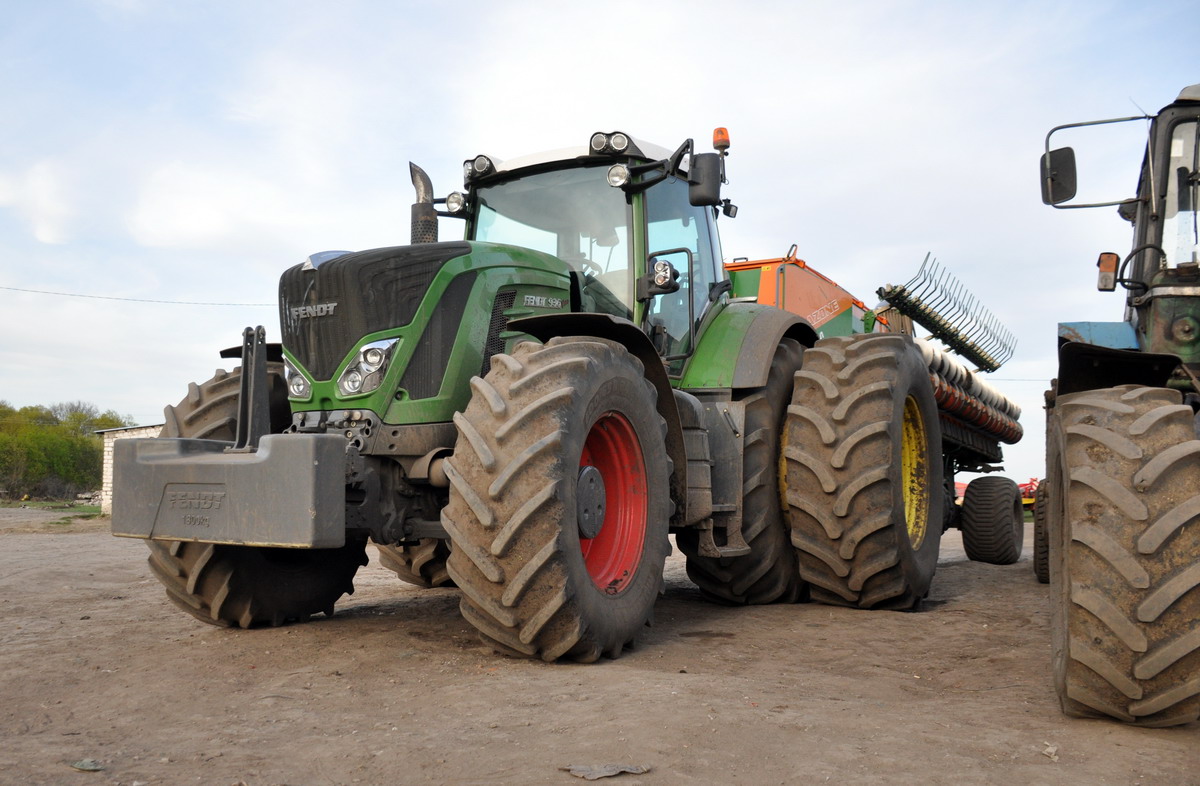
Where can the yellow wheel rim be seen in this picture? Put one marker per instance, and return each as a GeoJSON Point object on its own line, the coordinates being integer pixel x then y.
{"type": "Point", "coordinates": [914, 472]}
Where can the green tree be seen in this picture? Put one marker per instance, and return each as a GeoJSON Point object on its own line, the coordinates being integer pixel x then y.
{"type": "Point", "coordinates": [53, 451]}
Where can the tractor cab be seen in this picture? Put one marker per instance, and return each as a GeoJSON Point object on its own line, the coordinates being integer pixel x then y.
{"type": "Point", "coordinates": [1161, 273]}
{"type": "Point", "coordinates": [634, 224]}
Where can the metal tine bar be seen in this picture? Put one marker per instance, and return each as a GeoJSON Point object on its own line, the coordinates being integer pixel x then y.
{"type": "Point", "coordinates": [939, 301]}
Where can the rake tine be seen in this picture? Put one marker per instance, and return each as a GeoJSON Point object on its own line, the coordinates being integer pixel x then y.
{"type": "Point", "coordinates": [936, 299]}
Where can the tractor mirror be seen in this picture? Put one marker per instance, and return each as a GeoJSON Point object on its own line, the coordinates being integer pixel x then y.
{"type": "Point", "coordinates": [704, 180]}
{"type": "Point", "coordinates": [1058, 176]}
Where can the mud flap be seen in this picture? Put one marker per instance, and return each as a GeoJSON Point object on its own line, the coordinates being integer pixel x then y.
{"type": "Point", "coordinates": [290, 492]}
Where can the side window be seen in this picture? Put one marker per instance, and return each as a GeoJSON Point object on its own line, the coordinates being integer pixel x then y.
{"type": "Point", "coordinates": [672, 222]}
{"type": "Point", "coordinates": [1181, 239]}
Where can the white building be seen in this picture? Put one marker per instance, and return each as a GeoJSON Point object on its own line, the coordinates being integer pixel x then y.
{"type": "Point", "coordinates": [110, 436]}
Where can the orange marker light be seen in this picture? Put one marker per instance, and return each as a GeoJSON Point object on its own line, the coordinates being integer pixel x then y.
{"type": "Point", "coordinates": [1106, 281]}
{"type": "Point", "coordinates": [720, 139]}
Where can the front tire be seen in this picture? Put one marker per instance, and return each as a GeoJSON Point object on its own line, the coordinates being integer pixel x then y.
{"type": "Point", "coordinates": [1125, 555]}
{"type": "Point", "coordinates": [864, 472]}
{"type": "Point", "coordinates": [422, 564]}
{"type": "Point", "coordinates": [559, 501]}
{"type": "Point", "coordinates": [246, 586]}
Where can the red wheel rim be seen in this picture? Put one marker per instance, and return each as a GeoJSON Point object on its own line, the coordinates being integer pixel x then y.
{"type": "Point", "coordinates": [612, 556]}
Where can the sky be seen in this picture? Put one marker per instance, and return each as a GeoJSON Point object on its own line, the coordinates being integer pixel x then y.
{"type": "Point", "coordinates": [155, 155]}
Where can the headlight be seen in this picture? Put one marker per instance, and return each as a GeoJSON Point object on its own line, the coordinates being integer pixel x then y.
{"type": "Point", "coordinates": [618, 175]}
{"type": "Point", "coordinates": [297, 384]}
{"type": "Point", "coordinates": [366, 371]}
{"type": "Point", "coordinates": [456, 202]}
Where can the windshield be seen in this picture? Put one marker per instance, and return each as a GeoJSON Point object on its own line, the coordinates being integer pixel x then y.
{"type": "Point", "coordinates": [573, 214]}
{"type": "Point", "coordinates": [1181, 238]}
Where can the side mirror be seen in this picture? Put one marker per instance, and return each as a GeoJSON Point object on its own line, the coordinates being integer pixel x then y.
{"type": "Point", "coordinates": [704, 180]}
{"type": "Point", "coordinates": [1058, 176]}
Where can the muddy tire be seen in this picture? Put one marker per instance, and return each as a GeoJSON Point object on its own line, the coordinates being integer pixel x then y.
{"type": "Point", "coordinates": [1041, 539]}
{"type": "Point", "coordinates": [768, 574]}
{"type": "Point", "coordinates": [864, 472]}
{"type": "Point", "coordinates": [1125, 555]}
{"type": "Point", "coordinates": [559, 501]}
{"type": "Point", "coordinates": [993, 521]}
{"type": "Point", "coordinates": [423, 564]}
{"type": "Point", "coordinates": [246, 585]}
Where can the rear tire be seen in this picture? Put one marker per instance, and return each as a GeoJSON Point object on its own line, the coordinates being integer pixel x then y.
{"type": "Point", "coordinates": [864, 472]}
{"type": "Point", "coordinates": [1125, 555]}
{"type": "Point", "coordinates": [559, 501]}
{"type": "Point", "coordinates": [768, 574]}
{"type": "Point", "coordinates": [993, 521]}
{"type": "Point", "coordinates": [423, 564]}
{"type": "Point", "coordinates": [246, 585]}
{"type": "Point", "coordinates": [1041, 539]}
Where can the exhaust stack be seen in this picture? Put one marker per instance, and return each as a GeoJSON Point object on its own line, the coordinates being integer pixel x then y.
{"type": "Point", "coordinates": [424, 217]}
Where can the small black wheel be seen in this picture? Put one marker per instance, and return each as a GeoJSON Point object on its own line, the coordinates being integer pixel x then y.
{"type": "Point", "coordinates": [993, 521]}
{"type": "Point", "coordinates": [1041, 538]}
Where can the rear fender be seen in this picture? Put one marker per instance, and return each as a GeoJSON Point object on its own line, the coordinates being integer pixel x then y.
{"type": "Point", "coordinates": [735, 350]}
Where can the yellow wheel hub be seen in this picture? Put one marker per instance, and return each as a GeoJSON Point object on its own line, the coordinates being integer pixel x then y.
{"type": "Point", "coordinates": [914, 472]}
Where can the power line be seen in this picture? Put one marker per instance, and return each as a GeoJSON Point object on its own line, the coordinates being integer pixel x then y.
{"type": "Point", "coordinates": [134, 299]}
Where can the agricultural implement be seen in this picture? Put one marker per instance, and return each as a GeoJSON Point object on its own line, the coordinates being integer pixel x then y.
{"type": "Point", "coordinates": [1119, 512]}
{"type": "Point", "coordinates": [528, 413]}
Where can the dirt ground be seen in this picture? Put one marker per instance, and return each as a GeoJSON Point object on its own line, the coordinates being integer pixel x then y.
{"type": "Point", "coordinates": [95, 664]}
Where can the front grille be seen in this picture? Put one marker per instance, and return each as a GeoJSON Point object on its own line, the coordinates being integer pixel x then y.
{"type": "Point", "coordinates": [430, 359]}
{"type": "Point", "coordinates": [499, 321]}
{"type": "Point", "coordinates": [324, 311]}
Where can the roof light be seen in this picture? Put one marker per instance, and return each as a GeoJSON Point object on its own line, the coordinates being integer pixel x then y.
{"type": "Point", "coordinates": [479, 166]}
{"type": "Point", "coordinates": [613, 143]}
{"type": "Point", "coordinates": [720, 139]}
{"type": "Point", "coordinates": [618, 175]}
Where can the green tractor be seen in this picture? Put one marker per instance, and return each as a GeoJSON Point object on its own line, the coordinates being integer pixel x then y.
{"type": "Point", "coordinates": [1119, 513]}
{"type": "Point", "coordinates": [527, 414]}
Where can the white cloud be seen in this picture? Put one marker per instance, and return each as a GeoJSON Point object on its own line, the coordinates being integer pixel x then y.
{"type": "Point", "coordinates": [43, 196]}
{"type": "Point", "coordinates": [188, 205]}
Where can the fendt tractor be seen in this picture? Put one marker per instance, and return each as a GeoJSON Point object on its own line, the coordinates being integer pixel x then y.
{"type": "Point", "coordinates": [1119, 512]}
{"type": "Point", "coordinates": [528, 413]}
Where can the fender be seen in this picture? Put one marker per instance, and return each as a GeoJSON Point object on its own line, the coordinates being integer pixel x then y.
{"type": "Point", "coordinates": [1090, 366]}
{"type": "Point", "coordinates": [735, 350]}
{"type": "Point", "coordinates": [628, 335]}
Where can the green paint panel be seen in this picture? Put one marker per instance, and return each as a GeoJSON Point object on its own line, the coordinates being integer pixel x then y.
{"type": "Point", "coordinates": [542, 286]}
{"type": "Point", "coordinates": [745, 282]}
{"type": "Point", "coordinates": [716, 356]}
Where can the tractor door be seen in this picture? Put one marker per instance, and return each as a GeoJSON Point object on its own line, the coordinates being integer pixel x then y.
{"type": "Point", "coordinates": [673, 223]}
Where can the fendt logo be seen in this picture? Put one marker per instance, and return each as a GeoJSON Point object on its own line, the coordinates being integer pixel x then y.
{"type": "Point", "coordinates": [319, 310]}
{"type": "Point", "coordinates": [195, 500]}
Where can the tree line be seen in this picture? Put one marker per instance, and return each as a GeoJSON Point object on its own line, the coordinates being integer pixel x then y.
{"type": "Point", "coordinates": [53, 452]}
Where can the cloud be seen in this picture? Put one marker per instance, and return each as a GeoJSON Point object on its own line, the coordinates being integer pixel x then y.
{"type": "Point", "coordinates": [188, 205]}
{"type": "Point", "coordinates": [42, 195]}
